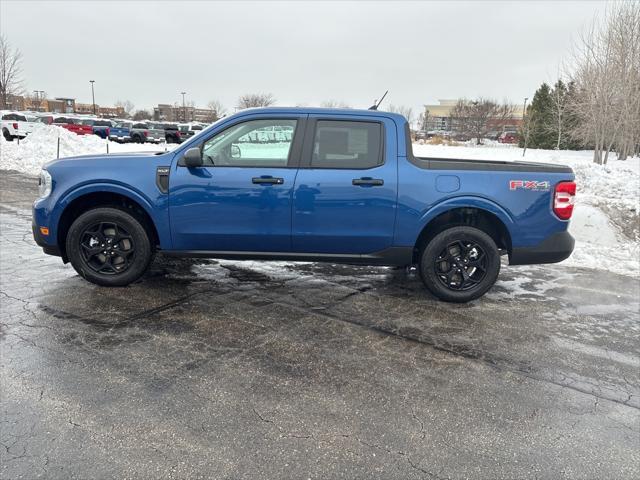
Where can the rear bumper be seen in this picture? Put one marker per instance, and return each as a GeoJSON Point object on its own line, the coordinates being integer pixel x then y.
{"type": "Point", "coordinates": [554, 249]}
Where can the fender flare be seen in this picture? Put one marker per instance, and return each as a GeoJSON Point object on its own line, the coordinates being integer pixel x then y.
{"type": "Point", "coordinates": [95, 187]}
{"type": "Point", "coordinates": [467, 201]}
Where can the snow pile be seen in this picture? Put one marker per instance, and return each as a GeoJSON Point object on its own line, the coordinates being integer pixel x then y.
{"type": "Point", "coordinates": [40, 147]}
{"type": "Point", "coordinates": [606, 219]}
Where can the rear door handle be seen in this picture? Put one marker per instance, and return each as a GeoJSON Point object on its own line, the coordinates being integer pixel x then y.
{"type": "Point", "coordinates": [364, 181]}
{"type": "Point", "coordinates": [268, 180]}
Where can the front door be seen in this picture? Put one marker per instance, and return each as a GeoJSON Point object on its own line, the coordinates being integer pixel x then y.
{"type": "Point", "coordinates": [346, 189]}
{"type": "Point", "coordinates": [240, 199]}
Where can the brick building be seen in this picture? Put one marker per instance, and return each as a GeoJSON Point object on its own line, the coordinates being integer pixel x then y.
{"type": "Point", "coordinates": [439, 117]}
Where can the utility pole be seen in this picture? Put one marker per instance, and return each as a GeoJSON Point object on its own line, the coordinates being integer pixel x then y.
{"type": "Point", "coordinates": [525, 126]}
{"type": "Point", "coordinates": [184, 109]}
{"type": "Point", "coordinates": [93, 96]}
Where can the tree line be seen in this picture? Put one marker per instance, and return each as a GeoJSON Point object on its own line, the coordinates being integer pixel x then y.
{"type": "Point", "coordinates": [598, 106]}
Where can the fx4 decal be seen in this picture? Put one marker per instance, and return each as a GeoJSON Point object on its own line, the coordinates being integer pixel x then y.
{"type": "Point", "coordinates": [529, 185]}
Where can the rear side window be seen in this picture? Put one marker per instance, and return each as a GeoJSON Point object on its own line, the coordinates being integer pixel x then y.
{"type": "Point", "coordinates": [346, 144]}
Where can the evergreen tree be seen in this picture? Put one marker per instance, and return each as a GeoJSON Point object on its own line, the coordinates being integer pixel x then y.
{"type": "Point", "coordinates": [540, 121]}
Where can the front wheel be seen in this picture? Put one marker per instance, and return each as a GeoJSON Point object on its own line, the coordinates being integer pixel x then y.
{"type": "Point", "coordinates": [460, 264]}
{"type": "Point", "coordinates": [109, 247]}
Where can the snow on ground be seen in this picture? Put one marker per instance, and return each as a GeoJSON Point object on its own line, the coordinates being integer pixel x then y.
{"type": "Point", "coordinates": [40, 146]}
{"type": "Point", "coordinates": [605, 221]}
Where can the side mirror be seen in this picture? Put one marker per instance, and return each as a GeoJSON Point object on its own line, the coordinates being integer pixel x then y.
{"type": "Point", "coordinates": [193, 157]}
{"type": "Point", "coordinates": [235, 151]}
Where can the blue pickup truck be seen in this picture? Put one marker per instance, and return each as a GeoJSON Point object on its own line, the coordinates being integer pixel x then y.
{"type": "Point", "coordinates": [340, 186]}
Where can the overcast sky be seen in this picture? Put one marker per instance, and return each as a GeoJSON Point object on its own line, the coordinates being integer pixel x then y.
{"type": "Point", "coordinates": [302, 52]}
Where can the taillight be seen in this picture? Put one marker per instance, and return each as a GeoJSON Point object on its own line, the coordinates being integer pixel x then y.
{"type": "Point", "coordinates": [15, 126]}
{"type": "Point", "coordinates": [108, 132]}
{"type": "Point", "coordinates": [564, 199]}
{"type": "Point", "coordinates": [145, 133]}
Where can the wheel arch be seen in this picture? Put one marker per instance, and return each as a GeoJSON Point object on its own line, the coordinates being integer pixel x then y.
{"type": "Point", "coordinates": [79, 202]}
{"type": "Point", "coordinates": [488, 217]}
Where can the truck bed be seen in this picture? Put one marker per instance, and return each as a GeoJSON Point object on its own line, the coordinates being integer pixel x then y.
{"type": "Point", "coordinates": [491, 165]}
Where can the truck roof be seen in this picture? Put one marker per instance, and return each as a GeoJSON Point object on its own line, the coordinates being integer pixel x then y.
{"type": "Point", "coordinates": [325, 111]}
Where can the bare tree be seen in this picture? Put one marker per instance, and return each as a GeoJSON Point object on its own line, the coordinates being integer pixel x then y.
{"type": "Point", "coordinates": [606, 65]}
{"type": "Point", "coordinates": [335, 104]}
{"type": "Point", "coordinates": [142, 115]}
{"type": "Point", "coordinates": [35, 100]}
{"type": "Point", "coordinates": [251, 100]}
{"type": "Point", "coordinates": [559, 101]}
{"type": "Point", "coordinates": [406, 112]}
{"type": "Point", "coordinates": [218, 109]}
{"type": "Point", "coordinates": [476, 118]}
{"type": "Point", "coordinates": [10, 71]}
{"type": "Point", "coordinates": [126, 105]}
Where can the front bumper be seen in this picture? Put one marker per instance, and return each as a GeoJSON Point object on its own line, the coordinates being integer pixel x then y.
{"type": "Point", "coordinates": [555, 248]}
{"type": "Point", "coordinates": [41, 242]}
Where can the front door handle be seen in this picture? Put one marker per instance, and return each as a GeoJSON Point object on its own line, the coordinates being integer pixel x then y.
{"type": "Point", "coordinates": [368, 181]}
{"type": "Point", "coordinates": [268, 180]}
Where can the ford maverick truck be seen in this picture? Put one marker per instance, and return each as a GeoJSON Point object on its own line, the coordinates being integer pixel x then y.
{"type": "Point", "coordinates": [340, 186]}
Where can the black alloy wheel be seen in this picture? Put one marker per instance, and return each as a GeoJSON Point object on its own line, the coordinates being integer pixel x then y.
{"type": "Point", "coordinates": [461, 265]}
{"type": "Point", "coordinates": [107, 248]}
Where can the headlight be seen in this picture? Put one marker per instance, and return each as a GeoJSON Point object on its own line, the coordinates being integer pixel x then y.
{"type": "Point", "coordinates": [44, 183]}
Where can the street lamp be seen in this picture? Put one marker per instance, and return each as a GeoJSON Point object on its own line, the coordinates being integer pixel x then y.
{"type": "Point", "coordinates": [184, 109]}
{"type": "Point", "coordinates": [525, 125]}
{"type": "Point", "coordinates": [93, 96]}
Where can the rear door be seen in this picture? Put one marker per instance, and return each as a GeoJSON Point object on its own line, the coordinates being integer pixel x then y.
{"type": "Point", "coordinates": [240, 200]}
{"type": "Point", "coordinates": [346, 188]}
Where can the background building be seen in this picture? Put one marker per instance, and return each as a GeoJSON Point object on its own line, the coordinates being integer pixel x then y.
{"type": "Point", "coordinates": [176, 113]}
{"type": "Point", "coordinates": [438, 117]}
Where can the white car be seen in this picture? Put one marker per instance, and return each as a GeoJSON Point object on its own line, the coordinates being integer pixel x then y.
{"type": "Point", "coordinates": [15, 125]}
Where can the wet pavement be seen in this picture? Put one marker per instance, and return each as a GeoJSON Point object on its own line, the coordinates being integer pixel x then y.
{"type": "Point", "coordinates": [210, 369]}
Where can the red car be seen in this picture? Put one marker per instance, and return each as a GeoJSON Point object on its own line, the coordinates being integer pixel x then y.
{"type": "Point", "coordinates": [508, 137]}
{"type": "Point", "coordinates": [71, 124]}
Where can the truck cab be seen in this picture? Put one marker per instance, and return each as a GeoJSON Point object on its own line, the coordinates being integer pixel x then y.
{"type": "Point", "coordinates": [306, 184]}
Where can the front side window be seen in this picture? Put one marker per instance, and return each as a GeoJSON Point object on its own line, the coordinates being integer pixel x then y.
{"type": "Point", "coordinates": [247, 145]}
{"type": "Point", "coordinates": [347, 144]}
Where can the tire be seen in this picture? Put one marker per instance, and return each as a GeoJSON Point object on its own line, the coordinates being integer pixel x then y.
{"type": "Point", "coordinates": [7, 135]}
{"type": "Point", "coordinates": [460, 264]}
{"type": "Point", "coordinates": [128, 244]}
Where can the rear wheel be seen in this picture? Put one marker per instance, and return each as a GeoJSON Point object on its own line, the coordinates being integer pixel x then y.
{"type": "Point", "coordinates": [7, 135]}
{"type": "Point", "coordinates": [109, 247]}
{"type": "Point", "coordinates": [460, 264]}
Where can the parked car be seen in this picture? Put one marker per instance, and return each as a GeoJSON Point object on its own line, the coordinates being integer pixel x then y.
{"type": "Point", "coordinates": [508, 137]}
{"type": "Point", "coordinates": [120, 131]}
{"type": "Point", "coordinates": [188, 130]}
{"type": "Point", "coordinates": [100, 127]}
{"type": "Point", "coordinates": [143, 133]}
{"type": "Point", "coordinates": [15, 125]}
{"type": "Point", "coordinates": [68, 123]}
{"type": "Point", "coordinates": [171, 131]}
{"type": "Point", "coordinates": [346, 188]}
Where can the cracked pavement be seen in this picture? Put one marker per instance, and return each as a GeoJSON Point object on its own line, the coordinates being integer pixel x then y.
{"type": "Point", "coordinates": [221, 369]}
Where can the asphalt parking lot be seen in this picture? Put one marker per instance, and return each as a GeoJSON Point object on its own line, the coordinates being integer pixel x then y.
{"type": "Point", "coordinates": [235, 370]}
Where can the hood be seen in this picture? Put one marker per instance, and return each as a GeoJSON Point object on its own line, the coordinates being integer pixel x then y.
{"type": "Point", "coordinates": [120, 158]}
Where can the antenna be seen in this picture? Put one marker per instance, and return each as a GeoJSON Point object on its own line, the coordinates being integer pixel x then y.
{"type": "Point", "coordinates": [377, 104]}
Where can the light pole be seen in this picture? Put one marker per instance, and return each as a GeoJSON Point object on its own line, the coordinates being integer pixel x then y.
{"type": "Point", "coordinates": [525, 125]}
{"type": "Point", "coordinates": [93, 96]}
{"type": "Point", "coordinates": [184, 109]}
